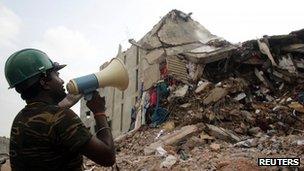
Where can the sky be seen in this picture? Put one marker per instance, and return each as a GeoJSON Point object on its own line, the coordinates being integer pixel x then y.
{"type": "Point", "coordinates": [86, 33]}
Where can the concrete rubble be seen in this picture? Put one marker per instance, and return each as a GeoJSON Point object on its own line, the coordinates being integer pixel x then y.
{"type": "Point", "coordinates": [215, 105]}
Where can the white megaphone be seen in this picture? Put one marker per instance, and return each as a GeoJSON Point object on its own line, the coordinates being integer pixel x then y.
{"type": "Point", "coordinates": [113, 75]}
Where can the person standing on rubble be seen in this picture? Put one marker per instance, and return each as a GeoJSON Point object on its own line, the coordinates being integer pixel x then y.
{"type": "Point", "coordinates": [45, 136]}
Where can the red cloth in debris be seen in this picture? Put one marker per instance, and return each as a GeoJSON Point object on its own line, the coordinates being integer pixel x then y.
{"type": "Point", "coordinates": [164, 71]}
{"type": "Point", "coordinates": [153, 97]}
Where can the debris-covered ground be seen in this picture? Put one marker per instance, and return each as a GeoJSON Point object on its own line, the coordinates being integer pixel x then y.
{"type": "Point", "coordinates": [241, 108]}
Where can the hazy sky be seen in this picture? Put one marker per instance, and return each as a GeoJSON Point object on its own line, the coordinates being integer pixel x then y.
{"type": "Point", "coordinates": [86, 33]}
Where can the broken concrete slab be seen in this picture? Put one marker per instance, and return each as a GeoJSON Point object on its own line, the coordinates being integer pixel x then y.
{"type": "Point", "coordinates": [203, 85]}
{"type": "Point", "coordinates": [169, 161]}
{"type": "Point", "coordinates": [213, 56]}
{"type": "Point", "coordinates": [222, 133]}
{"type": "Point", "coordinates": [150, 75]}
{"type": "Point", "coordinates": [170, 51]}
{"type": "Point", "coordinates": [181, 92]}
{"type": "Point", "coordinates": [287, 63]}
{"type": "Point", "coordinates": [240, 96]}
{"type": "Point", "coordinates": [171, 138]}
{"type": "Point", "coordinates": [216, 94]}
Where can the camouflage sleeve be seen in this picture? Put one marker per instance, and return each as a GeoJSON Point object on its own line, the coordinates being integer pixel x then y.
{"type": "Point", "coordinates": [69, 130]}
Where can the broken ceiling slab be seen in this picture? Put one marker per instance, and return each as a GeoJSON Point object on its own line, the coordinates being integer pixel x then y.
{"type": "Point", "coordinates": [182, 48]}
{"type": "Point", "coordinates": [174, 29]}
{"type": "Point", "coordinates": [294, 48]}
{"type": "Point", "coordinates": [177, 33]}
{"type": "Point", "coordinates": [205, 49]}
{"type": "Point", "coordinates": [281, 40]}
{"type": "Point", "coordinates": [295, 37]}
{"type": "Point", "coordinates": [210, 56]}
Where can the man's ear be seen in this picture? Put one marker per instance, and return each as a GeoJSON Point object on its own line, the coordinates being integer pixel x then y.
{"type": "Point", "coordinates": [44, 84]}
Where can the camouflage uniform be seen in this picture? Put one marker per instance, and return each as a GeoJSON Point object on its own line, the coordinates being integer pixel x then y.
{"type": "Point", "coordinates": [46, 137]}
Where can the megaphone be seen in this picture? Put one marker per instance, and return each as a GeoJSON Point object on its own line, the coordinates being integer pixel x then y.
{"type": "Point", "coordinates": [113, 75]}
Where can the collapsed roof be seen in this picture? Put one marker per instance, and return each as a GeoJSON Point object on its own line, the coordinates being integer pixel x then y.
{"type": "Point", "coordinates": [178, 34]}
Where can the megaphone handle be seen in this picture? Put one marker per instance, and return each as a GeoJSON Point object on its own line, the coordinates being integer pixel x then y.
{"type": "Point", "coordinates": [88, 96]}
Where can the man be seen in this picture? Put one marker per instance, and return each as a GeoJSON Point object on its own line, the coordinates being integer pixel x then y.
{"type": "Point", "coordinates": [45, 136]}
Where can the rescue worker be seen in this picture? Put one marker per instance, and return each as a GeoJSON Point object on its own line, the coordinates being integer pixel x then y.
{"type": "Point", "coordinates": [45, 136]}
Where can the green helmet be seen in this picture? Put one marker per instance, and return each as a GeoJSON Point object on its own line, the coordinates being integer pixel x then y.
{"type": "Point", "coordinates": [26, 64]}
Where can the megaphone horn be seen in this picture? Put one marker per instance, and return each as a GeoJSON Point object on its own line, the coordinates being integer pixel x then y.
{"type": "Point", "coordinates": [113, 75]}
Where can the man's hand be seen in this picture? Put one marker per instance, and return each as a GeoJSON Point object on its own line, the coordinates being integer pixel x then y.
{"type": "Point", "coordinates": [97, 103]}
{"type": "Point", "coordinates": [100, 148]}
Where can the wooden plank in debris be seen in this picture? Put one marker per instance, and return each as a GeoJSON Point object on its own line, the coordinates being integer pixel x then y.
{"type": "Point", "coordinates": [261, 77]}
{"type": "Point", "coordinates": [171, 138]}
{"type": "Point", "coordinates": [265, 50]}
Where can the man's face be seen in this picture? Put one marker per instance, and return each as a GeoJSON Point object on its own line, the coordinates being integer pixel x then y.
{"type": "Point", "coordinates": [57, 91]}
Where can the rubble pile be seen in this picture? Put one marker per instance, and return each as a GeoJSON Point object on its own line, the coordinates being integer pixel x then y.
{"type": "Point", "coordinates": [247, 106]}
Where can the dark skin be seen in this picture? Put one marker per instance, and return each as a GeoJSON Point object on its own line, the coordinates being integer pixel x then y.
{"type": "Point", "coordinates": [100, 148]}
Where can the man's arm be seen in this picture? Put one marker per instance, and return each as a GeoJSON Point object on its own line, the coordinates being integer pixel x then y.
{"type": "Point", "coordinates": [100, 148]}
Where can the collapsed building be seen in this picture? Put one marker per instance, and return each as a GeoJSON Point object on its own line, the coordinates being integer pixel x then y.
{"type": "Point", "coordinates": [179, 56]}
{"type": "Point", "coordinates": [175, 45]}
{"type": "Point", "coordinates": [193, 94]}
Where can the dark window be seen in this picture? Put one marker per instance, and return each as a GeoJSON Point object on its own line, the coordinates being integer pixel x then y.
{"type": "Point", "coordinates": [125, 59]}
{"type": "Point", "coordinates": [121, 116]}
{"type": "Point", "coordinates": [137, 56]}
{"type": "Point", "coordinates": [136, 80]}
{"type": "Point", "coordinates": [122, 95]}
